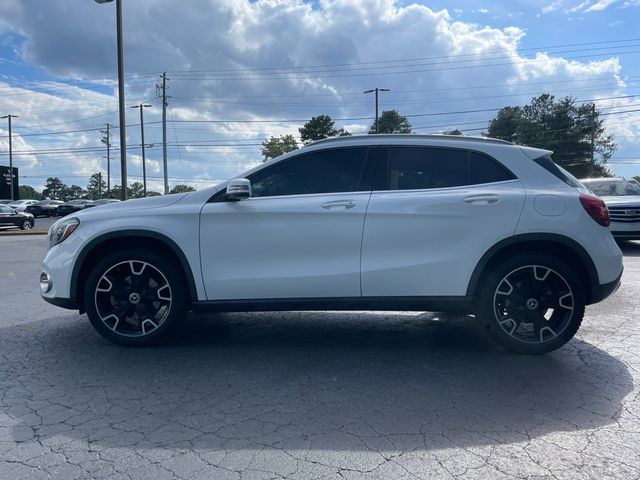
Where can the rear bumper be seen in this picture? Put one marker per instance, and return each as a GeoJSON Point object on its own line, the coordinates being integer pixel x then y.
{"type": "Point", "coordinates": [601, 292]}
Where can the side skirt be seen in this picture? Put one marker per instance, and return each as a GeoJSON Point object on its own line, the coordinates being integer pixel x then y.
{"type": "Point", "coordinates": [462, 304]}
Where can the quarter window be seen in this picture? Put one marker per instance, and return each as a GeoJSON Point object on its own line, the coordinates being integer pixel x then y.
{"type": "Point", "coordinates": [322, 171]}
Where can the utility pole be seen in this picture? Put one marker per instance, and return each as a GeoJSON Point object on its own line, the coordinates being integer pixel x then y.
{"type": "Point", "coordinates": [9, 117]}
{"type": "Point", "coordinates": [161, 91]}
{"type": "Point", "coordinates": [106, 139]}
{"type": "Point", "coordinates": [377, 90]}
{"type": "Point", "coordinates": [121, 107]}
{"type": "Point", "coordinates": [144, 160]}
{"type": "Point", "coordinates": [593, 137]}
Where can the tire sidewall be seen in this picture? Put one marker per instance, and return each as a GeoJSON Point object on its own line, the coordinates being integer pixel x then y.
{"type": "Point", "coordinates": [178, 303]}
{"type": "Point", "coordinates": [490, 282]}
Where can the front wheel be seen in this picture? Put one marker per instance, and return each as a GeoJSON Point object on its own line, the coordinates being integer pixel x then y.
{"type": "Point", "coordinates": [27, 225]}
{"type": "Point", "coordinates": [531, 303]}
{"type": "Point", "coordinates": [135, 297]}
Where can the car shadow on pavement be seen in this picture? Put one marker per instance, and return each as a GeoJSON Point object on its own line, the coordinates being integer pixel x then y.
{"type": "Point", "coordinates": [357, 381]}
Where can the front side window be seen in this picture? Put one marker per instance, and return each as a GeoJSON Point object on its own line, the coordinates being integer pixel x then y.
{"type": "Point", "coordinates": [323, 171]}
{"type": "Point", "coordinates": [417, 168]}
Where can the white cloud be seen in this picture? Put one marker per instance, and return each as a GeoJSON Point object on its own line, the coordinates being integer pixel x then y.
{"type": "Point", "coordinates": [579, 7]}
{"type": "Point", "coordinates": [552, 7]}
{"type": "Point", "coordinates": [600, 5]}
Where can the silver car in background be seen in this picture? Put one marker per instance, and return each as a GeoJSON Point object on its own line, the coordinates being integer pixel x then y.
{"type": "Point", "coordinates": [622, 197]}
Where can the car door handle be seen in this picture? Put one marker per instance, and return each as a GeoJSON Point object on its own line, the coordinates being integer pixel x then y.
{"type": "Point", "coordinates": [482, 198]}
{"type": "Point", "coordinates": [346, 204]}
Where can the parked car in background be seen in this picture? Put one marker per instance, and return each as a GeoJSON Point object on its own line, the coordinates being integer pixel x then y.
{"type": "Point", "coordinates": [44, 208]}
{"type": "Point", "coordinates": [11, 218]}
{"type": "Point", "coordinates": [21, 205]}
{"type": "Point", "coordinates": [102, 201]}
{"type": "Point", "coordinates": [371, 222]}
{"type": "Point", "coordinates": [5, 201]}
{"type": "Point", "coordinates": [72, 206]}
{"type": "Point", "coordinates": [622, 197]}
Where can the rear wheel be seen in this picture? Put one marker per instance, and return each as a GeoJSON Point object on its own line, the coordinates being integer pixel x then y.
{"type": "Point", "coordinates": [135, 297]}
{"type": "Point", "coordinates": [531, 303]}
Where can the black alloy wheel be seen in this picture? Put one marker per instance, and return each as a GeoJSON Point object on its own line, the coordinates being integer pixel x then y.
{"type": "Point", "coordinates": [135, 297]}
{"type": "Point", "coordinates": [532, 303]}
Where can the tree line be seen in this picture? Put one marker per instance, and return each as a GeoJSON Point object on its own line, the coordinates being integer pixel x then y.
{"type": "Point", "coordinates": [56, 189]}
{"type": "Point", "coordinates": [573, 130]}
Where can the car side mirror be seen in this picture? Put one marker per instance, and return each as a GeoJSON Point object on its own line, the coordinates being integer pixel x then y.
{"type": "Point", "coordinates": [238, 189]}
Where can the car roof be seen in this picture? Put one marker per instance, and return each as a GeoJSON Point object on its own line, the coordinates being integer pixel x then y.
{"type": "Point", "coordinates": [381, 139]}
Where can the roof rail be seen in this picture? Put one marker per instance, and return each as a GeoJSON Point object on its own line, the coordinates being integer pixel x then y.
{"type": "Point", "coordinates": [396, 136]}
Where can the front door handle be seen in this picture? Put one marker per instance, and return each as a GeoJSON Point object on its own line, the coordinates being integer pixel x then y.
{"type": "Point", "coordinates": [482, 198]}
{"type": "Point", "coordinates": [346, 204]}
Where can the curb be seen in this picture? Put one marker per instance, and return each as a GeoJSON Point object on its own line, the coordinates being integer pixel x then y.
{"type": "Point", "coordinates": [35, 231]}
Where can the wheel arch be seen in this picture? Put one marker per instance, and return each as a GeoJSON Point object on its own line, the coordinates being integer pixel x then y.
{"type": "Point", "coordinates": [564, 247]}
{"type": "Point", "coordinates": [103, 244]}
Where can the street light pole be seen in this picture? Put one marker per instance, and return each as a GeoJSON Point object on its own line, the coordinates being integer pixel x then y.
{"type": "Point", "coordinates": [144, 161]}
{"type": "Point", "coordinates": [123, 131]}
{"type": "Point", "coordinates": [9, 117]}
{"type": "Point", "coordinates": [377, 90]}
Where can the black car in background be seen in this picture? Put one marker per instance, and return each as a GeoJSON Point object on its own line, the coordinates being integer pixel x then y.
{"type": "Point", "coordinates": [45, 208]}
{"type": "Point", "coordinates": [73, 206]}
{"type": "Point", "coordinates": [10, 218]}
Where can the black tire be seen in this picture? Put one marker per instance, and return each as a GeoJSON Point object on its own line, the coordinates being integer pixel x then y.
{"type": "Point", "coordinates": [121, 278]}
{"type": "Point", "coordinates": [531, 303]}
{"type": "Point", "coordinates": [27, 225]}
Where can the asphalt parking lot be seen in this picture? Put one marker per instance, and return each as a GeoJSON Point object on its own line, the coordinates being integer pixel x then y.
{"type": "Point", "coordinates": [358, 395]}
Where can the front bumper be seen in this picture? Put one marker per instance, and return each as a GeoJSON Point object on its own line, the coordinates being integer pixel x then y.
{"type": "Point", "coordinates": [69, 303]}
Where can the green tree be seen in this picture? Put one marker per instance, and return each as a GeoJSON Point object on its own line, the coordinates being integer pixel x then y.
{"type": "Point", "coordinates": [391, 122]}
{"type": "Point", "coordinates": [53, 188]}
{"type": "Point", "coordinates": [573, 132]}
{"type": "Point", "coordinates": [97, 187]}
{"type": "Point", "coordinates": [136, 190]}
{"type": "Point", "coordinates": [152, 193]}
{"type": "Point", "coordinates": [276, 146]}
{"type": "Point", "coordinates": [455, 131]}
{"type": "Point", "coordinates": [116, 192]}
{"type": "Point", "coordinates": [182, 189]}
{"type": "Point", "coordinates": [318, 128]}
{"type": "Point", "coordinates": [637, 178]}
{"type": "Point", "coordinates": [72, 192]}
{"type": "Point", "coordinates": [27, 192]}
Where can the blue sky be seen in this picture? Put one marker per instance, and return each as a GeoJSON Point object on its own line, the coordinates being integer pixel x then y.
{"type": "Point", "coordinates": [242, 70]}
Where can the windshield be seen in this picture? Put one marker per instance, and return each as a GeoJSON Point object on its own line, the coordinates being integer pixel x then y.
{"type": "Point", "coordinates": [615, 188]}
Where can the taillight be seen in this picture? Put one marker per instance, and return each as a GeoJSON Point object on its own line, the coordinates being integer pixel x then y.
{"type": "Point", "coordinates": [596, 208]}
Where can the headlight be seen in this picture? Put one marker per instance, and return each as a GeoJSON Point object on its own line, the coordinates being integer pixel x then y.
{"type": "Point", "coordinates": [60, 230]}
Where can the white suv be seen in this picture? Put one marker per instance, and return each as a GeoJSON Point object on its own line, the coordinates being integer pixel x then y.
{"type": "Point", "coordinates": [375, 222]}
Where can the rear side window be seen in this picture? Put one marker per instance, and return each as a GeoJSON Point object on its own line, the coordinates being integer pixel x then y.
{"type": "Point", "coordinates": [417, 168]}
{"type": "Point", "coordinates": [323, 171]}
{"type": "Point", "coordinates": [550, 166]}
{"type": "Point", "coordinates": [484, 169]}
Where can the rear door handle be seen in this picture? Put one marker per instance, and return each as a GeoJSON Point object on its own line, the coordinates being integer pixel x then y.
{"type": "Point", "coordinates": [482, 198]}
{"type": "Point", "coordinates": [346, 204]}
